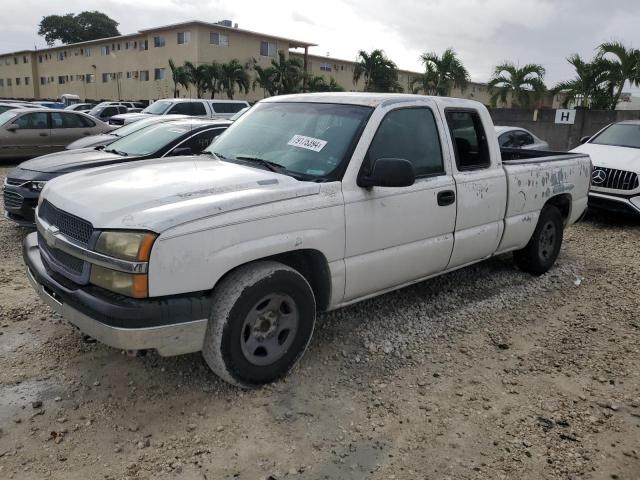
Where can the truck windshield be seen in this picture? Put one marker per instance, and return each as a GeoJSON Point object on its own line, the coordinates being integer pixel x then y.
{"type": "Point", "coordinates": [306, 139]}
{"type": "Point", "coordinates": [157, 108]}
{"type": "Point", "coordinates": [621, 135]}
{"type": "Point", "coordinates": [148, 140]}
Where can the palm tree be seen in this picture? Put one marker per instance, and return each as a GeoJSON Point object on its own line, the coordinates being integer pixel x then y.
{"type": "Point", "coordinates": [626, 66]}
{"type": "Point", "coordinates": [265, 80]}
{"type": "Point", "coordinates": [521, 83]}
{"type": "Point", "coordinates": [288, 74]}
{"type": "Point", "coordinates": [231, 74]}
{"type": "Point", "coordinates": [317, 83]}
{"type": "Point", "coordinates": [198, 76]}
{"type": "Point", "coordinates": [592, 87]}
{"type": "Point", "coordinates": [179, 76]}
{"type": "Point", "coordinates": [379, 73]}
{"type": "Point", "coordinates": [211, 77]}
{"type": "Point", "coordinates": [441, 74]}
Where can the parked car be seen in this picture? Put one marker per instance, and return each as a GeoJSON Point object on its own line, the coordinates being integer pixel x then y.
{"type": "Point", "coordinates": [178, 137]}
{"type": "Point", "coordinates": [10, 106]}
{"type": "Point", "coordinates": [81, 106]}
{"type": "Point", "coordinates": [515, 137]}
{"type": "Point", "coordinates": [52, 105]}
{"type": "Point", "coordinates": [26, 133]}
{"type": "Point", "coordinates": [307, 203]}
{"type": "Point", "coordinates": [110, 137]}
{"type": "Point", "coordinates": [615, 153]}
{"type": "Point", "coordinates": [184, 106]}
{"type": "Point", "coordinates": [105, 112]}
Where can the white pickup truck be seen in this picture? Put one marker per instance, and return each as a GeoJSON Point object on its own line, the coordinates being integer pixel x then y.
{"type": "Point", "coordinates": [307, 203]}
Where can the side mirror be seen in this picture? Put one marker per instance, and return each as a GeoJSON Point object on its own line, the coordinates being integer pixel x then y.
{"type": "Point", "coordinates": [12, 128]}
{"type": "Point", "coordinates": [584, 140]}
{"type": "Point", "coordinates": [181, 151]}
{"type": "Point", "coordinates": [389, 172]}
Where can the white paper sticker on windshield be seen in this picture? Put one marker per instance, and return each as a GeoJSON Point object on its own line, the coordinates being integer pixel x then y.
{"type": "Point", "coordinates": [309, 143]}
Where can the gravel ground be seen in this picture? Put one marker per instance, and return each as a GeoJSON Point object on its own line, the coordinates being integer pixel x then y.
{"type": "Point", "coordinates": [485, 373]}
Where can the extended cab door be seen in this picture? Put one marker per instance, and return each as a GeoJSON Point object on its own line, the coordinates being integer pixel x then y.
{"type": "Point", "coordinates": [481, 185]}
{"type": "Point", "coordinates": [398, 235]}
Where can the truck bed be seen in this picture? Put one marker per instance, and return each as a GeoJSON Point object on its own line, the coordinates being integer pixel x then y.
{"type": "Point", "coordinates": [518, 156]}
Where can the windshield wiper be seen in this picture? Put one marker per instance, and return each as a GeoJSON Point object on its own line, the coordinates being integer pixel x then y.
{"type": "Point", "coordinates": [117, 152]}
{"type": "Point", "coordinates": [273, 166]}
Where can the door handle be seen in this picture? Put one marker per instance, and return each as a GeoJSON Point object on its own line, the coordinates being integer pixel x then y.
{"type": "Point", "coordinates": [44, 134]}
{"type": "Point", "coordinates": [446, 197]}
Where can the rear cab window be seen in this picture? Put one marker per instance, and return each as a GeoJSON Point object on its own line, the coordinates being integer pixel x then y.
{"type": "Point", "coordinates": [469, 139]}
{"type": "Point", "coordinates": [228, 107]}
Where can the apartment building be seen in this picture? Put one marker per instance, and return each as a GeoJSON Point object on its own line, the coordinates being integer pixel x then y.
{"type": "Point", "coordinates": [134, 66]}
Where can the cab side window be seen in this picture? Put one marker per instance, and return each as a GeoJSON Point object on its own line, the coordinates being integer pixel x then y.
{"type": "Point", "coordinates": [66, 120]}
{"type": "Point", "coordinates": [181, 108]}
{"type": "Point", "coordinates": [469, 139]}
{"type": "Point", "coordinates": [523, 138]}
{"type": "Point", "coordinates": [506, 140]}
{"type": "Point", "coordinates": [201, 140]}
{"type": "Point", "coordinates": [32, 121]}
{"type": "Point", "coordinates": [410, 134]}
{"type": "Point", "coordinates": [197, 108]}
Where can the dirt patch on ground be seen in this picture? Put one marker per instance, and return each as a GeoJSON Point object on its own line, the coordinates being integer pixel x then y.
{"type": "Point", "coordinates": [485, 373]}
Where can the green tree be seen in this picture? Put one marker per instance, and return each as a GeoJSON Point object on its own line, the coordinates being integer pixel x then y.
{"type": "Point", "coordinates": [317, 83]}
{"type": "Point", "coordinates": [379, 73]}
{"type": "Point", "coordinates": [442, 74]}
{"type": "Point", "coordinates": [70, 28]}
{"type": "Point", "coordinates": [625, 67]}
{"type": "Point", "coordinates": [212, 74]}
{"type": "Point", "coordinates": [265, 79]}
{"type": "Point", "coordinates": [179, 77]}
{"type": "Point", "coordinates": [593, 85]}
{"type": "Point", "coordinates": [198, 76]}
{"type": "Point", "coordinates": [233, 73]}
{"type": "Point", "coordinates": [288, 73]}
{"type": "Point", "coordinates": [522, 83]}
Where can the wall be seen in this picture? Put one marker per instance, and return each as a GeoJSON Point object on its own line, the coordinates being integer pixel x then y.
{"type": "Point", "coordinates": [560, 137]}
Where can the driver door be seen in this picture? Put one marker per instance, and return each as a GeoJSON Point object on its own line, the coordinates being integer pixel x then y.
{"type": "Point", "coordinates": [398, 235]}
{"type": "Point", "coordinates": [31, 137]}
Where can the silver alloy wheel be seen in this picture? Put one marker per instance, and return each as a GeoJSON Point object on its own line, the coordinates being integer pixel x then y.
{"type": "Point", "coordinates": [547, 240]}
{"type": "Point", "coordinates": [269, 329]}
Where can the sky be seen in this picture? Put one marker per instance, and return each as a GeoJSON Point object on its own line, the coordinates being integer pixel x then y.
{"type": "Point", "coordinates": [484, 33]}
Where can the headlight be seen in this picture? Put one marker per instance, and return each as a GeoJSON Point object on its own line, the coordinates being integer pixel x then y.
{"type": "Point", "coordinates": [124, 245]}
{"type": "Point", "coordinates": [36, 186]}
{"type": "Point", "coordinates": [133, 246]}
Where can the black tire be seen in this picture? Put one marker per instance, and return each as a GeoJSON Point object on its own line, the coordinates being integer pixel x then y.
{"type": "Point", "coordinates": [544, 246]}
{"type": "Point", "coordinates": [249, 342]}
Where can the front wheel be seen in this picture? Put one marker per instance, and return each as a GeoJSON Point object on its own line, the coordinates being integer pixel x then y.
{"type": "Point", "coordinates": [261, 323]}
{"type": "Point", "coordinates": [544, 246]}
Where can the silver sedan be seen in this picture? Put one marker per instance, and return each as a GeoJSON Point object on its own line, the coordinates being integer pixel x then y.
{"type": "Point", "coordinates": [515, 137]}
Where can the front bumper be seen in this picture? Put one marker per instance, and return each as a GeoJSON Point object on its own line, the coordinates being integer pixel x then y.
{"type": "Point", "coordinates": [170, 325]}
{"type": "Point", "coordinates": [614, 203]}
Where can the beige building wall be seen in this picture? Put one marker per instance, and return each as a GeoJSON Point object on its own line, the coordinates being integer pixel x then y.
{"type": "Point", "coordinates": [16, 75]}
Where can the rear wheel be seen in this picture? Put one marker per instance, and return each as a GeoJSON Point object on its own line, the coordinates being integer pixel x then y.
{"type": "Point", "coordinates": [544, 246]}
{"type": "Point", "coordinates": [261, 323]}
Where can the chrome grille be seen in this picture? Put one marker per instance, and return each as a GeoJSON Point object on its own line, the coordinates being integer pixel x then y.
{"type": "Point", "coordinates": [69, 262]}
{"type": "Point", "coordinates": [614, 179]}
{"type": "Point", "coordinates": [69, 225]}
{"type": "Point", "coordinates": [12, 199]}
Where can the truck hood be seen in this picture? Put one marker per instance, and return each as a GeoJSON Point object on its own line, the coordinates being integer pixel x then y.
{"type": "Point", "coordinates": [161, 193]}
{"type": "Point", "coordinates": [130, 116]}
{"type": "Point", "coordinates": [92, 141]}
{"type": "Point", "coordinates": [611, 156]}
{"type": "Point", "coordinates": [72, 160]}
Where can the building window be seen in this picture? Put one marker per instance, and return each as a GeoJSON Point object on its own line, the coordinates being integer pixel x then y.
{"type": "Point", "coordinates": [105, 50]}
{"type": "Point", "coordinates": [61, 80]}
{"type": "Point", "coordinates": [87, 52]}
{"type": "Point", "coordinates": [144, 44]}
{"type": "Point", "coordinates": [158, 41]}
{"type": "Point", "coordinates": [8, 82]}
{"type": "Point", "coordinates": [17, 81]}
{"type": "Point", "coordinates": [1, 82]}
{"type": "Point", "coordinates": [268, 49]}
{"type": "Point", "coordinates": [43, 80]}
{"type": "Point", "coordinates": [184, 37]}
{"type": "Point", "coordinates": [24, 59]}
{"type": "Point", "coordinates": [144, 75]}
{"type": "Point", "coordinates": [158, 74]}
{"type": "Point", "coordinates": [39, 58]}
{"type": "Point", "coordinates": [15, 60]}
{"type": "Point", "coordinates": [220, 39]}
{"type": "Point", "coordinates": [60, 56]}
{"type": "Point", "coordinates": [27, 80]}
{"type": "Point", "coordinates": [90, 78]}
{"type": "Point", "coordinates": [105, 77]}
{"type": "Point", "coordinates": [325, 67]}
{"type": "Point", "coordinates": [118, 45]}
